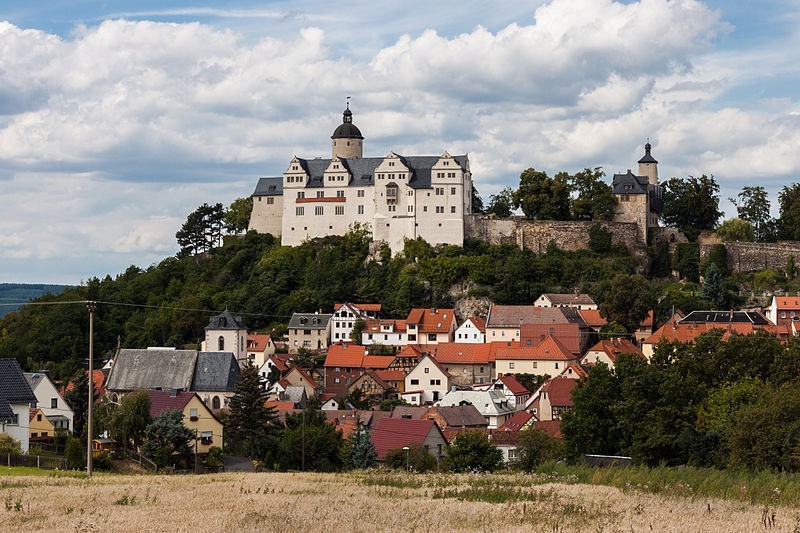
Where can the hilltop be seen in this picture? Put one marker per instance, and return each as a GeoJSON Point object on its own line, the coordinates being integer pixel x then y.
{"type": "Point", "coordinates": [14, 295]}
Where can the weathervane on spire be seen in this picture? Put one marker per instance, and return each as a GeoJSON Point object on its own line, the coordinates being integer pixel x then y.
{"type": "Point", "coordinates": [348, 102]}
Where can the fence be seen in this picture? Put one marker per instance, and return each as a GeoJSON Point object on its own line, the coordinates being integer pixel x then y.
{"type": "Point", "coordinates": [38, 461]}
{"type": "Point", "coordinates": [143, 461]}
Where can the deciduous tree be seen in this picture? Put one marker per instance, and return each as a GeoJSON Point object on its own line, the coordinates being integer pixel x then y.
{"type": "Point", "coordinates": [472, 452]}
{"type": "Point", "coordinates": [627, 301]}
{"type": "Point", "coordinates": [752, 204]}
{"type": "Point", "coordinates": [593, 199]}
{"type": "Point", "coordinates": [237, 215]}
{"type": "Point", "coordinates": [789, 220]}
{"type": "Point", "coordinates": [502, 203]}
{"type": "Point", "coordinates": [541, 197]}
{"type": "Point", "coordinates": [691, 204]}
{"type": "Point", "coordinates": [736, 229]}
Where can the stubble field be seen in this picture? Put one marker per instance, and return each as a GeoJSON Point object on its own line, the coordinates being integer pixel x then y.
{"type": "Point", "coordinates": [374, 501]}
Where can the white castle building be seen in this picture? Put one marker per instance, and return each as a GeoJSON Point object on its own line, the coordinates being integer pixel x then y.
{"type": "Point", "coordinates": [397, 197]}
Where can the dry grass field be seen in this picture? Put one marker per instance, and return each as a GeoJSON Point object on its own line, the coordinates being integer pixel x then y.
{"type": "Point", "coordinates": [375, 501]}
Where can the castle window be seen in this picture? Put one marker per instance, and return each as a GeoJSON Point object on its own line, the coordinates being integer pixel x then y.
{"type": "Point", "coordinates": [320, 194]}
{"type": "Point", "coordinates": [411, 209]}
{"type": "Point", "coordinates": [424, 208]}
{"type": "Point", "coordinates": [440, 209]}
{"type": "Point", "coordinates": [361, 210]}
{"type": "Point", "coordinates": [391, 163]}
{"type": "Point", "coordinates": [392, 208]}
{"type": "Point", "coordinates": [319, 210]}
{"type": "Point", "coordinates": [221, 343]}
{"type": "Point", "coordinates": [411, 193]}
{"type": "Point", "coordinates": [451, 174]}
{"type": "Point", "coordinates": [299, 211]}
{"type": "Point", "coordinates": [270, 200]}
{"type": "Point", "coordinates": [339, 194]}
{"type": "Point", "coordinates": [452, 190]}
{"type": "Point", "coordinates": [439, 191]}
{"type": "Point", "coordinates": [452, 209]}
{"type": "Point", "coordinates": [300, 179]}
{"type": "Point", "coordinates": [294, 167]}
{"type": "Point", "coordinates": [301, 194]}
{"type": "Point", "coordinates": [360, 193]}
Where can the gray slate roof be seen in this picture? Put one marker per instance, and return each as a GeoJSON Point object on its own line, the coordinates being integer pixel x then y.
{"type": "Point", "coordinates": [309, 320]}
{"type": "Point", "coordinates": [152, 369]}
{"type": "Point", "coordinates": [269, 187]}
{"type": "Point", "coordinates": [6, 413]}
{"type": "Point", "coordinates": [216, 371]}
{"type": "Point", "coordinates": [628, 184]}
{"type": "Point", "coordinates": [14, 387]}
{"type": "Point", "coordinates": [461, 416]}
{"type": "Point", "coordinates": [569, 298]}
{"type": "Point", "coordinates": [225, 320]}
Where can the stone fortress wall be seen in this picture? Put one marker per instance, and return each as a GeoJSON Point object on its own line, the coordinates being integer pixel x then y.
{"type": "Point", "coordinates": [535, 235]}
{"type": "Point", "coordinates": [754, 256]}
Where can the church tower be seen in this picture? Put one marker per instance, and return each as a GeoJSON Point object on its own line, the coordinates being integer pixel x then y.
{"type": "Point", "coordinates": [648, 166]}
{"type": "Point", "coordinates": [347, 140]}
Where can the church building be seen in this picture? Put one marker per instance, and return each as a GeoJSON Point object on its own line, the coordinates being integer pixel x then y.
{"type": "Point", "coordinates": [396, 197]}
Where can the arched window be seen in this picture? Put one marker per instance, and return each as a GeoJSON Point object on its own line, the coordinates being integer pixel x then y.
{"type": "Point", "coordinates": [215, 402]}
{"type": "Point", "coordinates": [221, 343]}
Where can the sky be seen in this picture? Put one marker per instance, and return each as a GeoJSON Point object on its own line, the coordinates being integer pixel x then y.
{"type": "Point", "coordinates": [118, 118]}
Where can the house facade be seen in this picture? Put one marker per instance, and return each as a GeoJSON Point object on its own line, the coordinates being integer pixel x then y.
{"type": "Point", "coordinates": [345, 316]}
{"type": "Point", "coordinates": [196, 416]}
{"type": "Point", "coordinates": [395, 197]}
{"type": "Point", "coordinates": [426, 383]}
{"type": "Point", "coordinates": [472, 330]}
{"type": "Point", "coordinates": [425, 327]}
{"type": "Point", "coordinates": [49, 401]}
{"type": "Point", "coordinates": [311, 331]}
{"type": "Point", "coordinates": [578, 301]}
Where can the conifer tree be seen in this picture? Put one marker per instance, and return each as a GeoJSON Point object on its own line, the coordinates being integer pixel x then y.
{"type": "Point", "coordinates": [250, 426]}
{"type": "Point", "coordinates": [362, 449]}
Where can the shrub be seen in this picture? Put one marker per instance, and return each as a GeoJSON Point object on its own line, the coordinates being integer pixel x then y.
{"type": "Point", "coordinates": [9, 444]}
{"type": "Point", "coordinates": [214, 456]}
{"type": "Point", "coordinates": [417, 459]}
{"type": "Point", "coordinates": [75, 454]}
{"type": "Point", "coordinates": [102, 461]}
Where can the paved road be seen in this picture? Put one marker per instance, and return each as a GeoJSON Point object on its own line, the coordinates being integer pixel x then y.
{"type": "Point", "coordinates": [237, 464]}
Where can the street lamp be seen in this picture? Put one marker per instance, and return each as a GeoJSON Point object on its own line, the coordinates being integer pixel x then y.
{"type": "Point", "coordinates": [406, 448]}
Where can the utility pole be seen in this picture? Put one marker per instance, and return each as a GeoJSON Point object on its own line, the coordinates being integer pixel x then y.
{"type": "Point", "coordinates": [303, 444]}
{"type": "Point", "coordinates": [89, 429]}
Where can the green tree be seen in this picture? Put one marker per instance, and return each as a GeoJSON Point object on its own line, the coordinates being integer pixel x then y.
{"type": "Point", "coordinates": [752, 204]}
{"type": "Point", "coordinates": [534, 448]}
{"type": "Point", "coordinates": [75, 454]}
{"type": "Point", "coordinates": [250, 426]}
{"type": "Point", "coordinates": [691, 204]}
{"type": "Point", "coordinates": [471, 451]}
{"type": "Point", "coordinates": [166, 439]}
{"type": "Point", "coordinates": [202, 230]}
{"type": "Point", "coordinates": [237, 215]}
{"type": "Point", "coordinates": [789, 220]}
{"type": "Point", "coordinates": [736, 229]}
{"type": "Point", "coordinates": [766, 434]}
{"type": "Point", "coordinates": [593, 200]}
{"type": "Point", "coordinates": [78, 400]}
{"type": "Point", "coordinates": [362, 452]}
{"type": "Point", "coordinates": [358, 328]}
{"type": "Point", "coordinates": [687, 260]}
{"type": "Point", "coordinates": [9, 445]}
{"type": "Point", "coordinates": [502, 203]}
{"type": "Point", "coordinates": [477, 201]}
{"type": "Point", "coordinates": [791, 269]}
{"type": "Point", "coordinates": [627, 301]}
{"type": "Point", "coordinates": [309, 442]}
{"type": "Point", "coordinates": [130, 419]}
{"type": "Point", "coordinates": [591, 425]}
{"type": "Point", "coordinates": [714, 287]}
{"type": "Point", "coordinates": [541, 197]}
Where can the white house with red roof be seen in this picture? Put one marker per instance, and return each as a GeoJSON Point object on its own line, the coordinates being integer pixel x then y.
{"type": "Point", "coordinates": [512, 389]}
{"type": "Point", "coordinates": [390, 332]}
{"type": "Point", "coordinates": [395, 433]}
{"type": "Point", "coordinates": [431, 326]}
{"type": "Point", "coordinates": [607, 350]}
{"type": "Point", "coordinates": [553, 399]}
{"type": "Point", "coordinates": [472, 330]}
{"type": "Point", "coordinates": [468, 364]}
{"type": "Point", "coordinates": [427, 382]}
{"type": "Point", "coordinates": [784, 310]}
{"type": "Point", "coordinates": [259, 348]}
{"type": "Point", "coordinates": [345, 316]}
{"type": "Point", "coordinates": [549, 357]}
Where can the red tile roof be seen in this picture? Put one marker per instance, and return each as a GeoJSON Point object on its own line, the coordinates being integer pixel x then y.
{"type": "Point", "coordinates": [393, 433]}
{"type": "Point", "coordinates": [98, 383]}
{"type": "Point", "coordinates": [377, 361]}
{"type": "Point", "coordinates": [549, 349]}
{"type": "Point", "coordinates": [164, 400]}
{"type": "Point", "coordinates": [376, 308]}
{"type": "Point", "coordinates": [391, 375]}
{"type": "Point", "coordinates": [688, 332]}
{"type": "Point", "coordinates": [569, 335]}
{"type": "Point", "coordinates": [345, 354]}
{"type": "Point", "coordinates": [373, 325]}
{"type": "Point", "coordinates": [511, 383]}
{"type": "Point", "coordinates": [786, 303]}
{"type": "Point", "coordinates": [496, 346]}
{"type": "Point", "coordinates": [517, 422]}
{"type": "Point", "coordinates": [479, 322]}
{"type": "Point", "coordinates": [462, 353]}
{"type": "Point", "coordinates": [559, 390]}
{"type": "Point", "coordinates": [551, 427]}
{"type": "Point", "coordinates": [432, 320]}
{"type": "Point", "coordinates": [592, 318]}
{"type": "Point", "coordinates": [280, 361]}
{"type": "Point", "coordinates": [257, 342]}
{"type": "Point", "coordinates": [574, 371]}
{"type": "Point", "coordinates": [411, 351]}
{"type": "Point", "coordinates": [615, 347]}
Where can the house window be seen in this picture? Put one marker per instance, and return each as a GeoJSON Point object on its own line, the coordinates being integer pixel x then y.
{"type": "Point", "coordinates": [53, 403]}
{"type": "Point", "coordinates": [336, 380]}
{"type": "Point", "coordinates": [39, 418]}
{"type": "Point", "coordinates": [415, 382]}
{"type": "Point", "coordinates": [193, 414]}
{"type": "Point", "coordinates": [361, 210]}
{"type": "Point", "coordinates": [270, 200]}
{"type": "Point", "coordinates": [299, 211]}
{"type": "Point", "coordinates": [319, 210]}
{"type": "Point", "coordinates": [511, 365]}
{"type": "Point", "coordinates": [221, 344]}
{"type": "Point", "coordinates": [556, 365]}
{"type": "Point", "coordinates": [535, 364]}
{"type": "Point", "coordinates": [206, 438]}
{"type": "Point", "coordinates": [215, 402]}
{"type": "Point", "coordinates": [427, 370]}
{"type": "Point", "coordinates": [440, 209]}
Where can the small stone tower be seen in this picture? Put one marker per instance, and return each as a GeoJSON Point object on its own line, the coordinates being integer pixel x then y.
{"type": "Point", "coordinates": [347, 141]}
{"type": "Point", "coordinates": [648, 166]}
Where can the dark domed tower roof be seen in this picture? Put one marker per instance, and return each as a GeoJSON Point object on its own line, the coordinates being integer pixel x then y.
{"type": "Point", "coordinates": [347, 130]}
{"type": "Point", "coordinates": [647, 157]}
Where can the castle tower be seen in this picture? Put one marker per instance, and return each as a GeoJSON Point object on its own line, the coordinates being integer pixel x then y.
{"type": "Point", "coordinates": [648, 166]}
{"type": "Point", "coordinates": [347, 140]}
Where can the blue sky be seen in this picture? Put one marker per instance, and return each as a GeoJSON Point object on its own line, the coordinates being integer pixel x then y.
{"type": "Point", "coordinates": [117, 119]}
